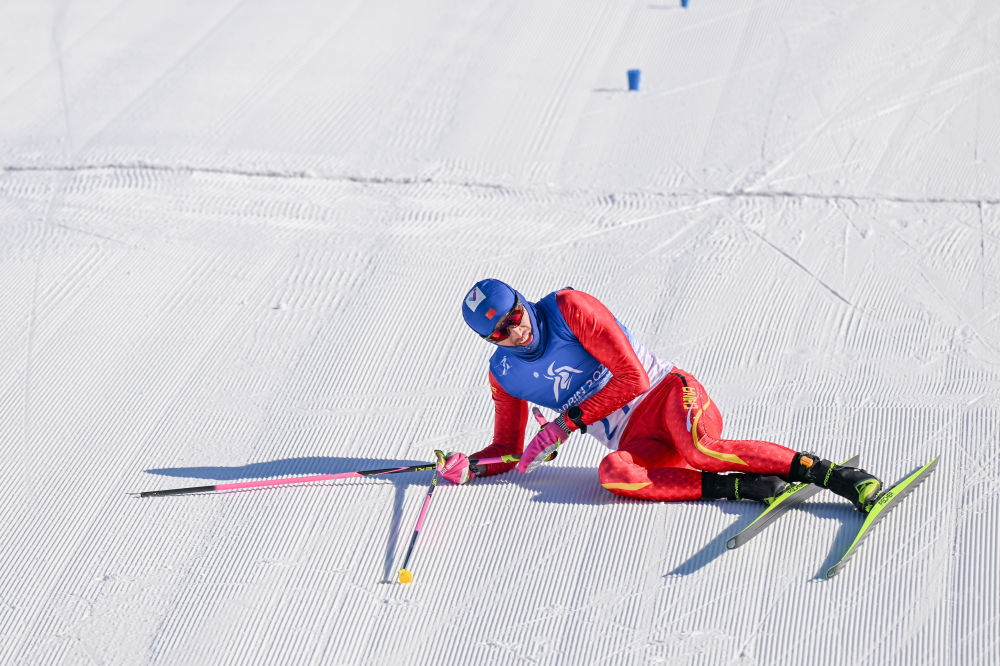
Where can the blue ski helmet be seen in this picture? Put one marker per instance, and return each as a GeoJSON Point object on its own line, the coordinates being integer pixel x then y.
{"type": "Point", "coordinates": [486, 302]}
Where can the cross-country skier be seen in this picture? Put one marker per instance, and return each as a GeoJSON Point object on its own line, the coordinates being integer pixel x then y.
{"type": "Point", "coordinates": [568, 353]}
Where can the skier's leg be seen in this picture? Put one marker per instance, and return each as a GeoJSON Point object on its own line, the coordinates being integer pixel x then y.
{"type": "Point", "coordinates": [639, 470]}
{"type": "Point", "coordinates": [704, 447]}
{"type": "Point", "coordinates": [624, 473]}
{"type": "Point", "coordinates": [694, 424]}
{"type": "Point", "coordinates": [690, 418]}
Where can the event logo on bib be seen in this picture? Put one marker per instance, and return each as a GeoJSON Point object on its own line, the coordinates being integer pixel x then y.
{"type": "Point", "coordinates": [560, 377]}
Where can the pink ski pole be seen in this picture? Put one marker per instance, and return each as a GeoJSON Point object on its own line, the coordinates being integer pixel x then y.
{"type": "Point", "coordinates": [267, 483]}
{"type": "Point", "coordinates": [405, 576]}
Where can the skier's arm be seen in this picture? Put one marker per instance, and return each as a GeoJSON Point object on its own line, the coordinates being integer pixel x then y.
{"type": "Point", "coordinates": [596, 329]}
{"type": "Point", "coordinates": [509, 421]}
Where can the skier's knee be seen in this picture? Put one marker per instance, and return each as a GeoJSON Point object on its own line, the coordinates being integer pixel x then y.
{"type": "Point", "coordinates": [619, 473]}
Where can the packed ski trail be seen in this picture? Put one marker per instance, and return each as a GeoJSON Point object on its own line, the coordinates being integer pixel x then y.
{"type": "Point", "coordinates": [235, 240]}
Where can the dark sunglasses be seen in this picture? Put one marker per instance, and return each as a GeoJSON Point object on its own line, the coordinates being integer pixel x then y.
{"type": "Point", "coordinates": [512, 318]}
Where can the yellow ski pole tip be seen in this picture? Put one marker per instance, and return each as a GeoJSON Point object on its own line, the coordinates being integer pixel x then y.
{"type": "Point", "coordinates": [405, 576]}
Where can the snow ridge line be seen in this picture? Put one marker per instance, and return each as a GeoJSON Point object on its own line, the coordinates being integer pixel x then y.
{"type": "Point", "coordinates": [426, 180]}
{"type": "Point", "coordinates": [248, 173]}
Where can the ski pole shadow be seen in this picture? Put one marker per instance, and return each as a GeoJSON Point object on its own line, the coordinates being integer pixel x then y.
{"type": "Point", "coordinates": [285, 467]}
{"type": "Point", "coordinates": [320, 465]}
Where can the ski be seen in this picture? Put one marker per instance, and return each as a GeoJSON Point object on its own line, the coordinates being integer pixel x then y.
{"type": "Point", "coordinates": [794, 495]}
{"type": "Point", "coordinates": [886, 503]}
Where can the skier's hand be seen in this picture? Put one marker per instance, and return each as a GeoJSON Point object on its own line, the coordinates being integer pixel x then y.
{"type": "Point", "coordinates": [543, 445]}
{"type": "Point", "coordinates": [455, 467]}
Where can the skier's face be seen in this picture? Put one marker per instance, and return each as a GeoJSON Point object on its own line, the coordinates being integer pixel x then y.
{"type": "Point", "coordinates": [520, 334]}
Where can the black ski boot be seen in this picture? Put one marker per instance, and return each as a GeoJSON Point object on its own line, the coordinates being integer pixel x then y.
{"type": "Point", "coordinates": [856, 485]}
{"type": "Point", "coordinates": [741, 486]}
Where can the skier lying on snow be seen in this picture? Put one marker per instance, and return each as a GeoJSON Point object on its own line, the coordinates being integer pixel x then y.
{"type": "Point", "coordinates": [567, 352]}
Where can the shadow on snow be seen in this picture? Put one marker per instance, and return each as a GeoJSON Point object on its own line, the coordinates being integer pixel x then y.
{"type": "Point", "coordinates": [552, 484]}
{"type": "Point", "coordinates": [849, 518]}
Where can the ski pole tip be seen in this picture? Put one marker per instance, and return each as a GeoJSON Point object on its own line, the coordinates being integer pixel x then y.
{"type": "Point", "coordinates": [405, 577]}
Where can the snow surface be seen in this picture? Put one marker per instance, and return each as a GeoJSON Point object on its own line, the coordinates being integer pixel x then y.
{"type": "Point", "coordinates": [234, 238]}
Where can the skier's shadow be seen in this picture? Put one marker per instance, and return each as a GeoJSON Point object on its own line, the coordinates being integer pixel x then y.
{"type": "Point", "coordinates": [320, 465]}
{"type": "Point", "coordinates": [565, 485]}
{"type": "Point", "coordinates": [823, 510]}
{"type": "Point", "coordinates": [580, 485]}
{"type": "Point", "coordinates": [556, 485]}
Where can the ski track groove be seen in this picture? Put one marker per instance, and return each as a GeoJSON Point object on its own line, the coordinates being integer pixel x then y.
{"type": "Point", "coordinates": [530, 191]}
{"type": "Point", "coordinates": [928, 89]}
{"type": "Point", "coordinates": [57, 553]}
{"type": "Point", "coordinates": [278, 72]}
{"type": "Point", "coordinates": [63, 49]}
{"type": "Point", "coordinates": [260, 303]}
{"type": "Point", "coordinates": [161, 77]}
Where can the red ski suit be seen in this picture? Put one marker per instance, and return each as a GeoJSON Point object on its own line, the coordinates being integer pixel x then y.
{"type": "Point", "coordinates": [672, 434]}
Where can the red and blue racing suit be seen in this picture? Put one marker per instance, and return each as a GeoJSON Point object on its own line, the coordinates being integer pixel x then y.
{"type": "Point", "coordinates": [658, 420]}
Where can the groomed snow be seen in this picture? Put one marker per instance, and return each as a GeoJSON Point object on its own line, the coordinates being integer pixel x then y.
{"type": "Point", "coordinates": [234, 239]}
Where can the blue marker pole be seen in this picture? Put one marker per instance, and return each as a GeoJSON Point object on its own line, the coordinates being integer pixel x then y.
{"type": "Point", "coordinates": [633, 79]}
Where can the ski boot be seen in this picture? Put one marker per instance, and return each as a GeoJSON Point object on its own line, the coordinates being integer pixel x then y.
{"type": "Point", "coordinates": [741, 486]}
{"type": "Point", "coordinates": [856, 485]}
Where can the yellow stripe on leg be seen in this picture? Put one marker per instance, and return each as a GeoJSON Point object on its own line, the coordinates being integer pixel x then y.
{"type": "Point", "coordinates": [626, 486]}
{"type": "Point", "coordinates": [726, 457]}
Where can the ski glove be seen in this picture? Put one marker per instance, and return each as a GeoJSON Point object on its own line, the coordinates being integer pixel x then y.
{"type": "Point", "coordinates": [456, 468]}
{"type": "Point", "coordinates": [543, 445]}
